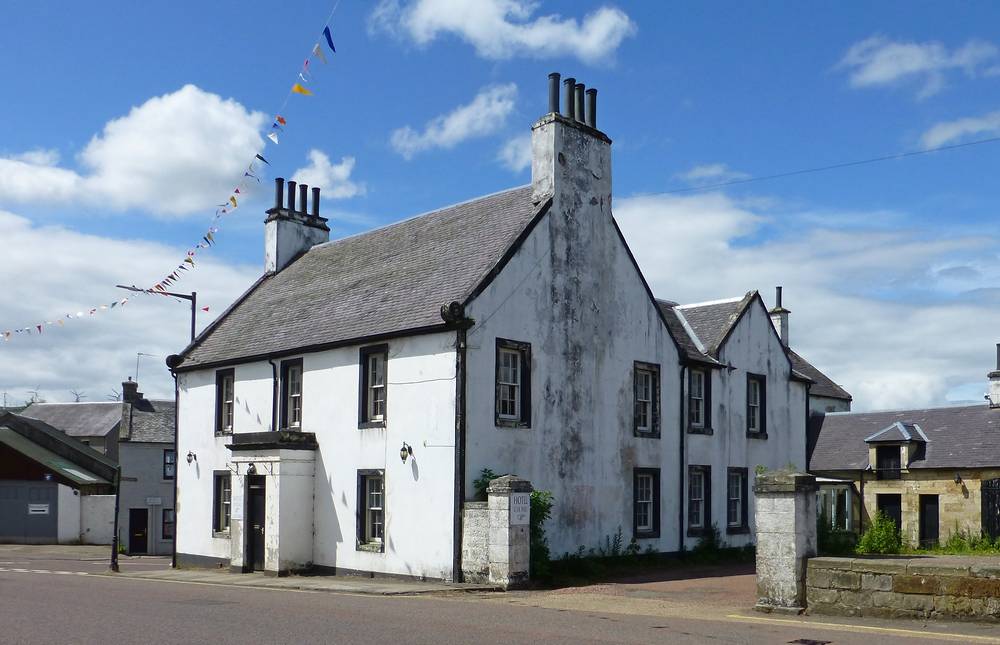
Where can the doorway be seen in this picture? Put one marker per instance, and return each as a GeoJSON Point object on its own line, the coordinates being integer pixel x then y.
{"type": "Point", "coordinates": [929, 526]}
{"type": "Point", "coordinates": [256, 496]}
{"type": "Point", "coordinates": [138, 531]}
{"type": "Point", "coordinates": [892, 507]}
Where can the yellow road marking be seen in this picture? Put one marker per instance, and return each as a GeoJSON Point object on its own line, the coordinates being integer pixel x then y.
{"type": "Point", "coordinates": [911, 633]}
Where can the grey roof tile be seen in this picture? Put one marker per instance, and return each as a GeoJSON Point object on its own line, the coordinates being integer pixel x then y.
{"type": "Point", "coordinates": [687, 344]}
{"type": "Point", "coordinates": [957, 437]}
{"type": "Point", "coordinates": [385, 281]}
{"type": "Point", "coordinates": [712, 321]}
{"type": "Point", "coordinates": [78, 419]}
{"type": "Point", "coordinates": [822, 385]}
{"type": "Point", "coordinates": [153, 422]}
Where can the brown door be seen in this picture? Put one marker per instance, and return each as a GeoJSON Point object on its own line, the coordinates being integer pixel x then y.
{"type": "Point", "coordinates": [257, 494]}
{"type": "Point", "coordinates": [138, 528]}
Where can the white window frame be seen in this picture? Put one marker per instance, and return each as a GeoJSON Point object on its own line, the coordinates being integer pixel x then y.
{"type": "Point", "coordinates": [696, 398]}
{"type": "Point", "coordinates": [643, 385]}
{"type": "Point", "coordinates": [374, 513]}
{"type": "Point", "coordinates": [509, 383]}
{"type": "Point", "coordinates": [228, 402]}
{"type": "Point", "coordinates": [224, 493]}
{"type": "Point", "coordinates": [169, 463]}
{"type": "Point", "coordinates": [376, 386]}
{"type": "Point", "coordinates": [644, 502]}
{"type": "Point", "coordinates": [293, 399]}
{"type": "Point", "coordinates": [734, 502]}
{"type": "Point", "coordinates": [696, 501]}
{"type": "Point", "coordinates": [753, 405]}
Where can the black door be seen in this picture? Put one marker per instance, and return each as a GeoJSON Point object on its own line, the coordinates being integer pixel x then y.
{"type": "Point", "coordinates": [892, 507]}
{"type": "Point", "coordinates": [138, 527]}
{"type": "Point", "coordinates": [928, 520]}
{"type": "Point", "coordinates": [255, 520]}
{"type": "Point", "coordinates": [991, 507]}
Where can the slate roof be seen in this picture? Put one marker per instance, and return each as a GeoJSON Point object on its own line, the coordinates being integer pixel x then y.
{"type": "Point", "coordinates": [78, 419]}
{"type": "Point", "coordinates": [382, 282]}
{"type": "Point", "coordinates": [152, 422]}
{"type": "Point", "coordinates": [687, 344]}
{"type": "Point", "coordinates": [957, 437]}
{"type": "Point", "coordinates": [712, 321]}
{"type": "Point", "coordinates": [822, 385]}
{"type": "Point", "coordinates": [899, 431]}
{"type": "Point", "coordinates": [58, 442]}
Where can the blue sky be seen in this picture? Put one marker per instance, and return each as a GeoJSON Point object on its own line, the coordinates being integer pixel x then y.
{"type": "Point", "coordinates": [890, 267]}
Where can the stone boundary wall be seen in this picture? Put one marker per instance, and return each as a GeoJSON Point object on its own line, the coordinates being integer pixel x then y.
{"type": "Point", "coordinates": [929, 587]}
{"type": "Point", "coordinates": [475, 542]}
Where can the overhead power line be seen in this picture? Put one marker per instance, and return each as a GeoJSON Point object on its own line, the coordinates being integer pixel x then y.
{"type": "Point", "coordinates": [846, 164]}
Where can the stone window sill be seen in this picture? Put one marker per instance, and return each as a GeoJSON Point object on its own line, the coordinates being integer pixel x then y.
{"type": "Point", "coordinates": [756, 435]}
{"type": "Point", "coordinates": [221, 534]}
{"type": "Point", "coordinates": [512, 423]}
{"type": "Point", "coordinates": [366, 425]}
{"type": "Point", "coordinates": [696, 532]}
{"type": "Point", "coordinates": [646, 435]}
{"type": "Point", "coordinates": [371, 547]}
{"type": "Point", "coordinates": [701, 430]}
{"type": "Point", "coordinates": [737, 530]}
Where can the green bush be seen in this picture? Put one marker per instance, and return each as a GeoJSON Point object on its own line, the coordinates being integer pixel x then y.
{"type": "Point", "coordinates": [831, 541]}
{"type": "Point", "coordinates": [483, 482]}
{"type": "Point", "coordinates": [882, 537]}
{"type": "Point", "coordinates": [541, 510]}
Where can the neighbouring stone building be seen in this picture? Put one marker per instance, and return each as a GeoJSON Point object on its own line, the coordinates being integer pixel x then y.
{"type": "Point", "coordinates": [336, 416]}
{"type": "Point", "coordinates": [934, 471]}
{"type": "Point", "coordinates": [138, 434]}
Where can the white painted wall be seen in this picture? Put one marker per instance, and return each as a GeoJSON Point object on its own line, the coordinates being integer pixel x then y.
{"type": "Point", "coordinates": [68, 523]}
{"type": "Point", "coordinates": [573, 293]}
{"type": "Point", "coordinates": [97, 519]}
{"type": "Point", "coordinates": [826, 405]}
{"type": "Point", "coordinates": [753, 346]}
{"type": "Point", "coordinates": [419, 495]}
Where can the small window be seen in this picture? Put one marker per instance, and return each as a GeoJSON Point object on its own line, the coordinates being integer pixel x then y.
{"type": "Point", "coordinates": [736, 500]}
{"type": "Point", "coordinates": [513, 384]}
{"type": "Point", "coordinates": [646, 396]}
{"type": "Point", "coordinates": [291, 387]}
{"type": "Point", "coordinates": [222, 499]}
{"type": "Point", "coordinates": [225, 401]}
{"type": "Point", "coordinates": [699, 499]}
{"type": "Point", "coordinates": [888, 462]}
{"type": "Point", "coordinates": [168, 524]}
{"type": "Point", "coordinates": [756, 405]}
{"type": "Point", "coordinates": [374, 371]}
{"type": "Point", "coordinates": [646, 502]}
{"type": "Point", "coordinates": [371, 510]}
{"type": "Point", "coordinates": [700, 401]}
{"type": "Point", "coordinates": [169, 464]}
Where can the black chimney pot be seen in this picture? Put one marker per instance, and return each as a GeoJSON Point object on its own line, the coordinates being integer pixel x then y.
{"type": "Point", "coordinates": [554, 92]}
{"type": "Point", "coordinates": [579, 90]}
{"type": "Point", "coordinates": [315, 201]}
{"type": "Point", "coordinates": [592, 108]}
{"type": "Point", "coordinates": [303, 196]}
{"type": "Point", "coordinates": [570, 110]}
{"type": "Point", "coordinates": [777, 297]}
{"type": "Point", "coordinates": [279, 191]}
{"type": "Point", "coordinates": [291, 196]}
{"type": "Point", "coordinates": [998, 357]}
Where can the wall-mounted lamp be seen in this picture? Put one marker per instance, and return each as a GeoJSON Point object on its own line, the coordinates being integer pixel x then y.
{"type": "Point", "coordinates": [405, 451]}
{"type": "Point", "coordinates": [251, 469]}
{"type": "Point", "coordinates": [191, 457]}
{"type": "Point", "coordinates": [958, 477]}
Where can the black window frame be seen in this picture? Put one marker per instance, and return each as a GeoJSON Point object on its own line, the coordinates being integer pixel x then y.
{"type": "Point", "coordinates": [217, 477]}
{"type": "Point", "coordinates": [166, 463]}
{"type": "Point", "coordinates": [655, 403]}
{"type": "Point", "coordinates": [706, 395]}
{"type": "Point", "coordinates": [363, 375]}
{"type": "Point", "coordinates": [761, 431]}
{"type": "Point", "coordinates": [523, 419]}
{"type": "Point", "coordinates": [220, 380]}
{"type": "Point", "coordinates": [887, 472]}
{"type": "Point", "coordinates": [655, 531]}
{"type": "Point", "coordinates": [744, 525]}
{"type": "Point", "coordinates": [286, 367]}
{"type": "Point", "coordinates": [164, 523]}
{"type": "Point", "coordinates": [706, 501]}
{"type": "Point", "coordinates": [361, 512]}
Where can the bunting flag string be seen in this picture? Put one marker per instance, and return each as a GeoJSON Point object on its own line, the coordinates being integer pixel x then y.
{"type": "Point", "coordinates": [208, 239]}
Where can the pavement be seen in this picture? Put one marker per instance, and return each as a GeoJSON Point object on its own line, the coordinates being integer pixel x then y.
{"type": "Point", "coordinates": [59, 594]}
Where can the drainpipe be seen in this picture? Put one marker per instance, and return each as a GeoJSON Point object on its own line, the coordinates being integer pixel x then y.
{"type": "Point", "coordinates": [680, 453]}
{"type": "Point", "coordinates": [177, 470]}
{"type": "Point", "coordinates": [114, 538]}
{"type": "Point", "coordinates": [274, 394]}
{"type": "Point", "coordinates": [460, 374]}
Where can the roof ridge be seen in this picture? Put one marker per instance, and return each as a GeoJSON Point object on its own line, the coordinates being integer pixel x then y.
{"type": "Point", "coordinates": [707, 303]}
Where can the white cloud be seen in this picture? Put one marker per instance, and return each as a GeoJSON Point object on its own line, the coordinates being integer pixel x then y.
{"type": "Point", "coordinates": [173, 155]}
{"type": "Point", "coordinates": [515, 155]}
{"type": "Point", "coordinates": [485, 115]}
{"type": "Point", "coordinates": [951, 131]}
{"type": "Point", "coordinates": [897, 317]}
{"type": "Point", "coordinates": [53, 271]}
{"type": "Point", "coordinates": [334, 179]}
{"type": "Point", "coordinates": [503, 29]}
{"type": "Point", "coordinates": [713, 173]}
{"type": "Point", "coordinates": [878, 61]}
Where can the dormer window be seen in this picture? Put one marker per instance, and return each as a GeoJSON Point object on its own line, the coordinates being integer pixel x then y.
{"type": "Point", "coordinates": [291, 387]}
{"type": "Point", "coordinates": [887, 462]}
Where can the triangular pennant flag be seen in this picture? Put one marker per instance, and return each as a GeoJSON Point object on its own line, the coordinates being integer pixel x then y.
{"type": "Point", "coordinates": [304, 79]}
{"type": "Point", "coordinates": [210, 236]}
{"type": "Point", "coordinates": [273, 136]}
{"type": "Point", "coordinates": [39, 328]}
{"type": "Point", "coordinates": [298, 89]}
{"type": "Point", "coordinates": [329, 38]}
{"type": "Point", "coordinates": [237, 190]}
{"type": "Point", "coordinates": [59, 322]}
{"type": "Point", "coordinates": [232, 200]}
{"type": "Point", "coordinates": [189, 260]}
{"type": "Point", "coordinates": [247, 174]}
{"type": "Point", "coordinates": [318, 53]}
{"type": "Point", "coordinates": [204, 308]}
{"type": "Point", "coordinates": [263, 159]}
{"type": "Point", "coordinates": [280, 119]}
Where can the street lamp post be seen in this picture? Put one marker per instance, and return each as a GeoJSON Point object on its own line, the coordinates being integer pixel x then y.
{"type": "Point", "coordinates": [191, 297]}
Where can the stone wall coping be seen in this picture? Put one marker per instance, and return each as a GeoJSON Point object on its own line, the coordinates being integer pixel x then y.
{"type": "Point", "coordinates": [783, 481]}
{"type": "Point", "coordinates": [976, 566]}
{"type": "Point", "coordinates": [476, 505]}
{"type": "Point", "coordinates": [509, 484]}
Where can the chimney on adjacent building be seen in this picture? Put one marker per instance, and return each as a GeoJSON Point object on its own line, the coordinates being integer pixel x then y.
{"type": "Point", "coordinates": [130, 391]}
{"type": "Point", "coordinates": [779, 316]}
{"type": "Point", "coordinates": [289, 231]}
{"type": "Point", "coordinates": [994, 376]}
{"type": "Point", "coordinates": [570, 157]}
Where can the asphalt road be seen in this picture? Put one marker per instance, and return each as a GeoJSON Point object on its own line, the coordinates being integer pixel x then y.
{"type": "Point", "coordinates": [39, 605]}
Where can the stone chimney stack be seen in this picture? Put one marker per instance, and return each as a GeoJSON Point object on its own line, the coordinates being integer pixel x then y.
{"type": "Point", "coordinates": [130, 391]}
{"type": "Point", "coordinates": [570, 157]}
{"type": "Point", "coordinates": [290, 232]}
{"type": "Point", "coordinates": [994, 376]}
{"type": "Point", "coordinates": [779, 316]}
